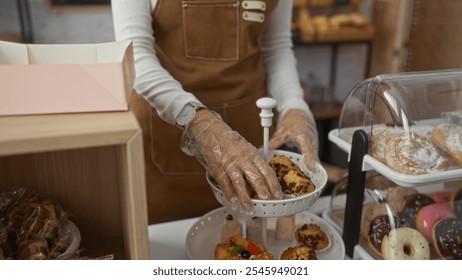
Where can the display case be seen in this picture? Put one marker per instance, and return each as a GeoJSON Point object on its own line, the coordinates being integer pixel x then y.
{"type": "Point", "coordinates": [406, 127]}
{"type": "Point", "coordinates": [92, 165]}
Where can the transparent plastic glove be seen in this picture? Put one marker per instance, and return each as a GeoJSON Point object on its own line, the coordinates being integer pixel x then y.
{"type": "Point", "coordinates": [297, 129]}
{"type": "Point", "coordinates": [230, 158]}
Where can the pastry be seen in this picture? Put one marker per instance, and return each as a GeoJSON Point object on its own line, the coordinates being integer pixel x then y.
{"type": "Point", "coordinates": [239, 248]}
{"type": "Point", "coordinates": [379, 139]}
{"type": "Point", "coordinates": [448, 137]}
{"type": "Point", "coordinates": [414, 155]}
{"type": "Point", "coordinates": [312, 235]}
{"type": "Point", "coordinates": [299, 252]}
{"type": "Point", "coordinates": [429, 215]}
{"type": "Point", "coordinates": [379, 228]}
{"type": "Point", "coordinates": [405, 244]}
{"type": "Point", "coordinates": [446, 238]}
{"type": "Point", "coordinates": [296, 183]}
{"type": "Point", "coordinates": [397, 197]}
{"type": "Point", "coordinates": [282, 165]}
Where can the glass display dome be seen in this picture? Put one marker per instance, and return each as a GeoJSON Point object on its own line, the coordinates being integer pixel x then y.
{"type": "Point", "coordinates": [421, 112]}
{"type": "Point", "coordinates": [402, 197]}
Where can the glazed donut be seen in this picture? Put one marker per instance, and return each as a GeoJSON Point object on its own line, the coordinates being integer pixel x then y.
{"type": "Point", "coordinates": [447, 238]}
{"type": "Point", "coordinates": [414, 155]}
{"type": "Point", "coordinates": [448, 137]}
{"type": "Point", "coordinates": [413, 204]}
{"type": "Point", "coordinates": [429, 215]}
{"type": "Point", "coordinates": [380, 227]}
{"type": "Point", "coordinates": [405, 244]}
{"type": "Point", "coordinates": [456, 203]}
{"type": "Point", "coordinates": [397, 197]}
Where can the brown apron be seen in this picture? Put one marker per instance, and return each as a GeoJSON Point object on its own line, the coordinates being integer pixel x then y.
{"type": "Point", "coordinates": [213, 52]}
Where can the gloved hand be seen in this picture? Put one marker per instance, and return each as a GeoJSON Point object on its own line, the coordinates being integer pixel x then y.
{"type": "Point", "coordinates": [230, 158]}
{"type": "Point", "coordinates": [297, 128]}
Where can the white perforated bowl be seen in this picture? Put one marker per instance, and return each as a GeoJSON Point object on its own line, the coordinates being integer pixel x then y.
{"type": "Point", "coordinates": [286, 206]}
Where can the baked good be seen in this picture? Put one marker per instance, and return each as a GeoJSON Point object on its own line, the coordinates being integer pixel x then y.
{"type": "Point", "coordinates": [448, 137]}
{"type": "Point", "coordinates": [296, 183]}
{"type": "Point", "coordinates": [230, 228]}
{"type": "Point", "coordinates": [429, 215]}
{"type": "Point", "coordinates": [239, 248]}
{"type": "Point", "coordinates": [379, 228]}
{"type": "Point", "coordinates": [313, 236]}
{"type": "Point", "coordinates": [397, 197]}
{"type": "Point", "coordinates": [446, 238]}
{"type": "Point", "coordinates": [412, 207]}
{"type": "Point", "coordinates": [456, 203]}
{"type": "Point", "coordinates": [379, 139]}
{"type": "Point", "coordinates": [299, 252]}
{"type": "Point", "coordinates": [291, 178]}
{"type": "Point", "coordinates": [285, 227]}
{"type": "Point", "coordinates": [405, 244]}
{"type": "Point", "coordinates": [282, 165]}
{"type": "Point", "coordinates": [440, 197]}
{"type": "Point", "coordinates": [413, 155]}
{"type": "Point", "coordinates": [369, 213]}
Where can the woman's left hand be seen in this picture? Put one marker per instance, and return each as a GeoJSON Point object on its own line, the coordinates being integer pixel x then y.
{"type": "Point", "coordinates": [297, 129]}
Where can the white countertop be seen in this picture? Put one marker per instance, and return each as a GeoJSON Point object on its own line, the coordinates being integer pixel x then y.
{"type": "Point", "coordinates": [167, 240]}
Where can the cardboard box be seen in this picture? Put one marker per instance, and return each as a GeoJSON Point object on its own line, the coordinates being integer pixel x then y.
{"type": "Point", "coordinates": [45, 79]}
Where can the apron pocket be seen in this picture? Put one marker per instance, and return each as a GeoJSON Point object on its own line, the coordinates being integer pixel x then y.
{"type": "Point", "coordinates": [211, 30]}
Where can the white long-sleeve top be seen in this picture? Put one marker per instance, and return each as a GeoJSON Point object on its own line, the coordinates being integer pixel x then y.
{"type": "Point", "coordinates": [132, 21]}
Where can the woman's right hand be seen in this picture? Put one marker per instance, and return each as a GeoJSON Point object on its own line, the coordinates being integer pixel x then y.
{"type": "Point", "coordinates": [231, 159]}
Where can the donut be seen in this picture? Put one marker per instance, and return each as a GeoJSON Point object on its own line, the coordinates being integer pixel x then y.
{"type": "Point", "coordinates": [239, 248]}
{"type": "Point", "coordinates": [448, 137]}
{"type": "Point", "coordinates": [441, 197]}
{"type": "Point", "coordinates": [313, 236]}
{"type": "Point", "coordinates": [456, 203]}
{"type": "Point", "coordinates": [414, 155]}
{"type": "Point", "coordinates": [369, 213]}
{"type": "Point", "coordinates": [405, 244]}
{"type": "Point", "coordinates": [429, 215]}
{"type": "Point", "coordinates": [299, 252]}
{"type": "Point", "coordinates": [447, 238]}
{"type": "Point", "coordinates": [413, 204]}
{"type": "Point", "coordinates": [397, 197]}
{"type": "Point", "coordinates": [379, 228]}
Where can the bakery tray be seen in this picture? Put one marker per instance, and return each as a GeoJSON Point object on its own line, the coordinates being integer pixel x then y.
{"type": "Point", "coordinates": [453, 173]}
{"type": "Point", "coordinates": [204, 235]}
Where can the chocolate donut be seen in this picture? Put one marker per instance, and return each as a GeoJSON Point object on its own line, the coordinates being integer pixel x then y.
{"type": "Point", "coordinates": [447, 238]}
{"type": "Point", "coordinates": [413, 204]}
{"type": "Point", "coordinates": [380, 227]}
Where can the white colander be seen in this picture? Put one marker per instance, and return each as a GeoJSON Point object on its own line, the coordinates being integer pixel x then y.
{"type": "Point", "coordinates": [286, 206]}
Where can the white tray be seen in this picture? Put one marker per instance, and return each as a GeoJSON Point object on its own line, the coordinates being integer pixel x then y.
{"type": "Point", "coordinates": [406, 180]}
{"type": "Point", "coordinates": [204, 235]}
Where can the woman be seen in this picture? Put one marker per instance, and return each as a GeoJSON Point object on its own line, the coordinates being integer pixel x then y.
{"type": "Point", "coordinates": [201, 65]}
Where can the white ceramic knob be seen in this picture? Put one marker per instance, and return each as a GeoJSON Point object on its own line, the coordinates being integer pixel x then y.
{"type": "Point", "coordinates": [266, 104]}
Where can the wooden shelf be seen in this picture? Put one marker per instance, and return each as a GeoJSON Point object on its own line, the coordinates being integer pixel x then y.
{"type": "Point", "coordinates": [92, 165]}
